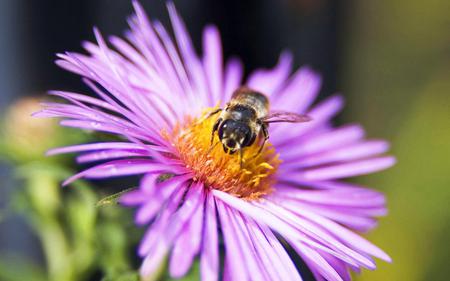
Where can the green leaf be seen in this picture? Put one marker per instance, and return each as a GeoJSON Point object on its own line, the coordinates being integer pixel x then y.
{"type": "Point", "coordinates": [164, 177]}
{"type": "Point", "coordinates": [112, 199]}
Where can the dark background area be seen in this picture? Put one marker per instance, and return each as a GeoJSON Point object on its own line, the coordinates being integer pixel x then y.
{"type": "Point", "coordinates": [256, 31]}
{"type": "Point", "coordinates": [390, 59]}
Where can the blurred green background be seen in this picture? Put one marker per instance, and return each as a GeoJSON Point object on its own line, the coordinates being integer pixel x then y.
{"type": "Point", "coordinates": [390, 59]}
{"type": "Point", "coordinates": [396, 72]}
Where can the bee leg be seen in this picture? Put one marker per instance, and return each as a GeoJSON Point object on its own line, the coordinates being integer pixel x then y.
{"type": "Point", "coordinates": [212, 147]}
{"type": "Point", "coordinates": [215, 127]}
{"type": "Point", "coordinates": [213, 112]}
{"type": "Point", "coordinates": [208, 116]}
{"type": "Point", "coordinates": [265, 133]}
{"type": "Point", "coordinates": [241, 157]}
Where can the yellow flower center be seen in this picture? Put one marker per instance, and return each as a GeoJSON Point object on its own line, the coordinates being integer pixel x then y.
{"type": "Point", "coordinates": [219, 170]}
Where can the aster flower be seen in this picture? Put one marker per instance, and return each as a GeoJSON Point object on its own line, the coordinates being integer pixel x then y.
{"type": "Point", "coordinates": [155, 93]}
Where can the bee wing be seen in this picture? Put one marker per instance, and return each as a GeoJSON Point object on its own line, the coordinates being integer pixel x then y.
{"type": "Point", "coordinates": [284, 116]}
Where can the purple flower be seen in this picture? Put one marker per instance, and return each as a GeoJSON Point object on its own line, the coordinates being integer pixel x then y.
{"type": "Point", "coordinates": [156, 93]}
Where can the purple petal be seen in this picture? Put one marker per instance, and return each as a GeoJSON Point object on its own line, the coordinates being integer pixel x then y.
{"type": "Point", "coordinates": [153, 261]}
{"type": "Point", "coordinates": [99, 72]}
{"type": "Point", "coordinates": [338, 171]}
{"type": "Point", "coordinates": [299, 93]}
{"type": "Point", "coordinates": [287, 269]}
{"type": "Point", "coordinates": [138, 103]}
{"type": "Point", "coordinates": [346, 196]}
{"type": "Point", "coordinates": [286, 134]}
{"type": "Point", "coordinates": [121, 168]}
{"type": "Point", "coordinates": [153, 235]}
{"type": "Point", "coordinates": [344, 154]}
{"type": "Point", "coordinates": [235, 256]}
{"type": "Point", "coordinates": [93, 146]}
{"type": "Point", "coordinates": [322, 142]}
{"type": "Point", "coordinates": [252, 259]}
{"type": "Point", "coordinates": [157, 193]}
{"type": "Point", "coordinates": [212, 62]}
{"type": "Point", "coordinates": [353, 240]}
{"type": "Point", "coordinates": [316, 233]}
{"type": "Point", "coordinates": [274, 257]}
{"type": "Point", "coordinates": [277, 224]}
{"type": "Point", "coordinates": [269, 262]}
{"type": "Point", "coordinates": [85, 99]}
{"type": "Point", "coordinates": [124, 111]}
{"type": "Point", "coordinates": [340, 267]}
{"type": "Point", "coordinates": [348, 217]}
{"type": "Point", "coordinates": [187, 245]}
{"type": "Point", "coordinates": [148, 211]}
{"type": "Point", "coordinates": [268, 81]}
{"type": "Point", "coordinates": [209, 261]}
{"type": "Point", "coordinates": [133, 198]}
{"type": "Point", "coordinates": [191, 202]}
{"type": "Point", "coordinates": [191, 61]}
{"type": "Point", "coordinates": [232, 80]}
{"type": "Point", "coordinates": [109, 154]}
{"type": "Point", "coordinates": [318, 263]}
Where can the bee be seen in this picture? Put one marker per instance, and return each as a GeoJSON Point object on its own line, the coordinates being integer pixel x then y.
{"type": "Point", "coordinates": [246, 118]}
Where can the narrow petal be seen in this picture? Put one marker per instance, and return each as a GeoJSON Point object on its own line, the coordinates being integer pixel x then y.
{"type": "Point", "coordinates": [120, 168]}
{"type": "Point", "coordinates": [191, 61]}
{"type": "Point", "coordinates": [286, 134]}
{"type": "Point", "coordinates": [318, 234]}
{"type": "Point", "coordinates": [281, 253]}
{"type": "Point", "coordinates": [348, 153]}
{"type": "Point", "coordinates": [156, 194]}
{"type": "Point", "coordinates": [187, 245]}
{"type": "Point", "coordinates": [212, 62]}
{"type": "Point", "coordinates": [209, 260]}
{"type": "Point", "coordinates": [300, 91]}
{"type": "Point", "coordinates": [154, 235]}
{"type": "Point", "coordinates": [268, 81]}
{"type": "Point", "coordinates": [93, 146]}
{"type": "Point", "coordinates": [153, 261]}
{"type": "Point", "coordinates": [355, 241]}
{"type": "Point", "coordinates": [278, 225]}
{"type": "Point", "coordinates": [322, 142]}
{"type": "Point", "coordinates": [253, 261]}
{"type": "Point", "coordinates": [109, 154]}
{"type": "Point", "coordinates": [341, 268]}
{"type": "Point", "coordinates": [348, 217]}
{"type": "Point", "coordinates": [84, 99]}
{"type": "Point", "coordinates": [233, 78]}
{"type": "Point", "coordinates": [345, 196]}
{"type": "Point", "coordinates": [133, 198]}
{"type": "Point", "coordinates": [269, 247]}
{"type": "Point", "coordinates": [235, 257]}
{"type": "Point", "coordinates": [346, 170]}
{"type": "Point", "coordinates": [318, 263]}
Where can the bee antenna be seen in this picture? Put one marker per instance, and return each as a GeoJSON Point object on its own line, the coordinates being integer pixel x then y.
{"type": "Point", "coordinates": [241, 157]}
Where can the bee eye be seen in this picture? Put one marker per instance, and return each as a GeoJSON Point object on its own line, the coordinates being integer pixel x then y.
{"type": "Point", "coordinates": [220, 132]}
{"type": "Point", "coordinates": [223, 127]}
{"type": "Point", "coordinates": [249, 138]}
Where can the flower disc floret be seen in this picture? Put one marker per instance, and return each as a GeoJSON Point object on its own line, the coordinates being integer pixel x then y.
{"type": "Point", "coordinates": [222, 171]}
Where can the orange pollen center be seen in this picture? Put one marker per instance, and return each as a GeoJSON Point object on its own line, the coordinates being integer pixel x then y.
{"type": "Point", "coordinates": [219, 170]}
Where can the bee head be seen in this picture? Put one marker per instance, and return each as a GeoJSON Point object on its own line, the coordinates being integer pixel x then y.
{"type": "Point", "coordinates": [234, 135]}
